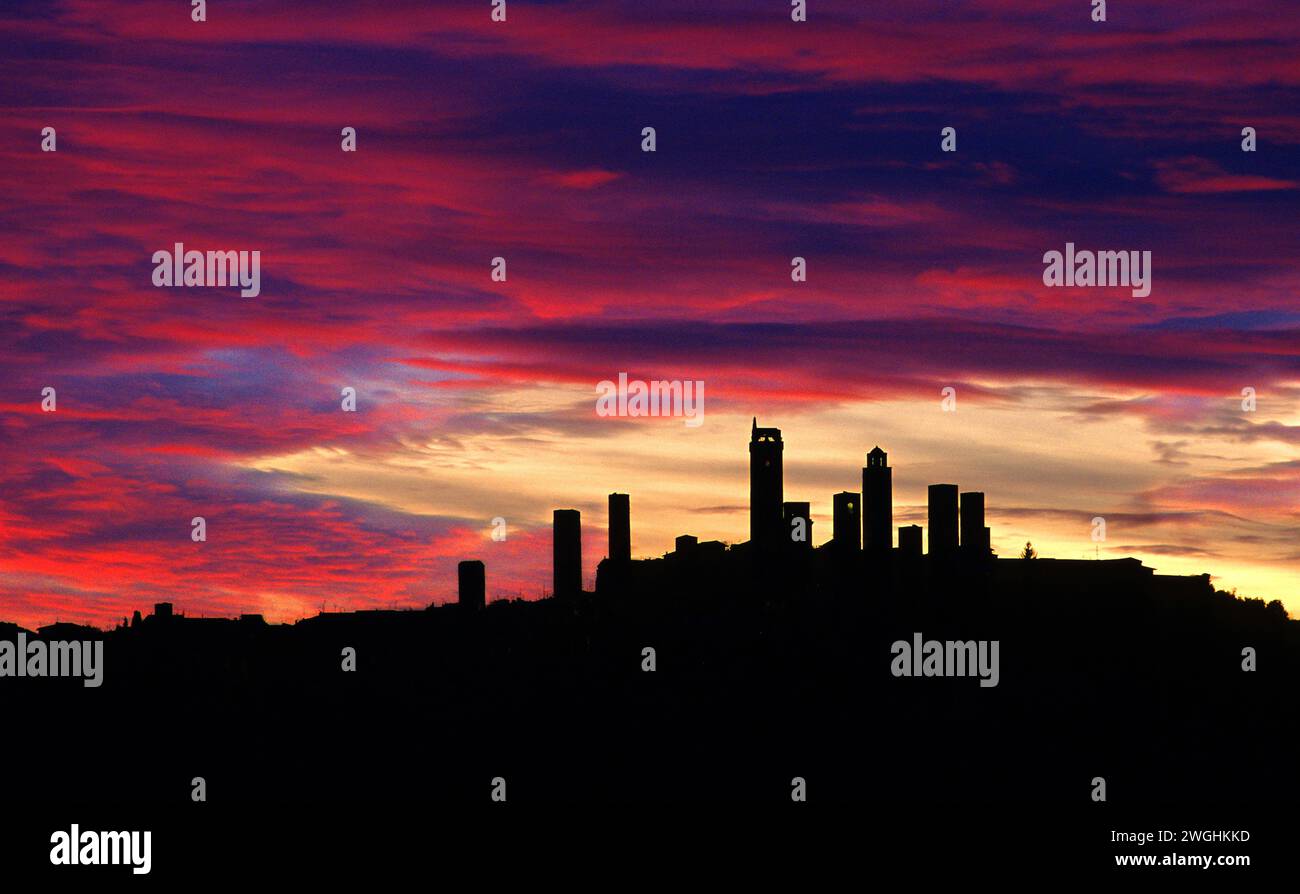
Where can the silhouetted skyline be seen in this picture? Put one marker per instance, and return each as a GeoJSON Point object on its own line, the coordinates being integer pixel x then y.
{"type": "Point", "coordinates": [956, 530]}
{"type": "Point", "coordinates": [473, 396]}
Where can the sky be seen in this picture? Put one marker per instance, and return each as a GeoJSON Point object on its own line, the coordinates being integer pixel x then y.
{"type": "Point", "coordinates": [475, 398]}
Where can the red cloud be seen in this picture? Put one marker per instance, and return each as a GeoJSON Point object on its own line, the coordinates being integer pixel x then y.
{"type": "Point", "coordinates": [587, 179]}
{"type": "Point", "coordinates": [1200, 175]}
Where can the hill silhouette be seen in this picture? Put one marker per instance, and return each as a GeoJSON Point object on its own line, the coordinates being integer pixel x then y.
{"type": "Point", "coordinates": [771, 660]}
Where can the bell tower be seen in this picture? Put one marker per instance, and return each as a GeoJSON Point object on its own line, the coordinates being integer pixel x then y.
{"type": "Point", "coordinates": [766, 491]}
{"type": "Point", "coordinates": [877, 503]}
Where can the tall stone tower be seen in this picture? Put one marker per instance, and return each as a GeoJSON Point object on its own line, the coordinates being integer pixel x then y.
{"type": "Point", "coordinates": [974, 542]}
{"type": "Point", "coordinates": [877, 503]}
{"type": "Point", "coordinates": [620, 528]}
{"type": "Point", "coordinates": [943, 520]}
{"type": "Point", "coordinates": [846, 522]}
{"type": "Point", "coordinates": [470, 575]}
{"type": "Point", "coordinates": [766, 491]}
{"type": "Point", "coordinates": [566, 551]}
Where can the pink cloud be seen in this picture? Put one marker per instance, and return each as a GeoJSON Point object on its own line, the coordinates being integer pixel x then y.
{"type": "Point", "coordinates": [1200, 175]}
{"type": "Point", "coordinates": [586, 179]}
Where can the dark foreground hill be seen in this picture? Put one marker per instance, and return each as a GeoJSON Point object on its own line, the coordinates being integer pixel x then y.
{"type": "Point", "coordinates": [761, 676]}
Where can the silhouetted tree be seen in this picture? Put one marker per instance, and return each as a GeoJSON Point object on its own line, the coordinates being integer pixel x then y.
{"type": "Point", "coordinates": [1029, 552]}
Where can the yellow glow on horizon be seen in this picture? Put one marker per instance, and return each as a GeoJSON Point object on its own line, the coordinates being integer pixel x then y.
{"type": "Point", "coordinates": [1046, 473]}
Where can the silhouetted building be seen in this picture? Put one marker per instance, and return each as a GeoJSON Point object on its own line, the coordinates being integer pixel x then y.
{"type": "Point", "coordinates": [792, 511]}
{"type": "Point", "coordinates": [712, 550]}
{"type": "Point", "coordinates": [846, 521]}
{"type": "Point", "coordinates": [566, 551]}
{"type": "Point", "coordinates": [766, 490]}
{"type": "Point", "coordinates": [620, 528]}
{"type": "Point", "coordinates": [686, 543]}
{"type": "Point", "coordinates": [974, 543]}
{"type": "Point", "coordinates": [909, 541]}
{"type": "Point", "coordinates": [162, 611]}
{"type": "Point", "coordinates": [877, 503]}
{"type": "Point", "coordinates": [472, 579]}
{"type": "Point", "coordinates": [943, 519]}
{"type": "Point", "coordinates": [1100, 575]}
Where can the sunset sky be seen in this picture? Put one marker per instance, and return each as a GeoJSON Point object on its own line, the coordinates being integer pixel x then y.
{"type": "Point", "coordinates": [476, 399]}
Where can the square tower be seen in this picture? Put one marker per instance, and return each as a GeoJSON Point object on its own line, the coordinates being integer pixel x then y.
{"type": "Point", "coordinates": [846, 523]}
{"type": "Point", "coordinates": [766, 490]}
{"type": "Point", "coordinates": [877, 503]}
{"type": "Point", "coordinates": [972, 525]}
{"type": "Point", "coordinates": [620, 528]}
{"type": "Point", "coordinates": [471, 578]}
{"type": "Point", "coordinates": [943, 519]}
{"type": "Point", "coordinates": [566, 551]}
